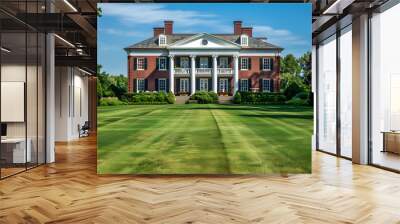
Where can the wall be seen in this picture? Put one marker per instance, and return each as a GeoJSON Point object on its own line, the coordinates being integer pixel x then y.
{"type": "Point", "coordinates": [71, 102]}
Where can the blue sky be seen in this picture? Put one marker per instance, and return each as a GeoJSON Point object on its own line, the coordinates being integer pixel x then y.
{"type": "Point", "coordinates": [286, 25]}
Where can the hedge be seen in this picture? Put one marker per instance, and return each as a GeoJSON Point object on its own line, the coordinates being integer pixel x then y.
{"type": "Point", "coordinates": [110, 101]}
{"type": "Point", "coordinates": [259, 98]}
{"type": "Point", "coordinates": [148, 98]}
{"type": "Point", "coordinates": [205, 97]}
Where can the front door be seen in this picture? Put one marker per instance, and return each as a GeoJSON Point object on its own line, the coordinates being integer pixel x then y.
{"type": "Point", "coordinates": [162, 85]}
{"type": "Point", "coordinates": [223, 85]}
{"type": "Point", "coordinates": [203, 84]}
{"type": "Point", "coordinates": [184, 85]}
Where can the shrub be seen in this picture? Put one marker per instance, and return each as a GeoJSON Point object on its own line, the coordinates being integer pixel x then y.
{"type": "Point", "coordinates": [260, 98]}
{"type": "Point", "coordinates": [292, 89]}
{"type": "Point", "coordinates": [170, 98]}
{"type": "Point", "coordinates": [110, 101]}
{"type": "Point", "coordinates": [148, 98]}
{"type": "Point", "coordinates": [297, 101]}
{"type": "Point", "coordinates": [302, 95]}
{"type": "Point", "coordinates": [237, 98]}
{"type": "Point", "coordinates": [205, 97]}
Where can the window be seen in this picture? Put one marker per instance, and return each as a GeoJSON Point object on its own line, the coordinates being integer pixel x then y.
{"type": "Point", "coordinates": [203, 84]}
{"type": "Point", "coordinates": [266, 64]}
{"type": "Point", "coordinates": [223, 85]}
{"type": "Point", "coordinates": [162, 85]}
{"type": "Point", "coordinates": [223, 62]}
{"type": "Point", "coordinates": [266, 85]}
{"type": "Point", "coordinates": [141, 85]}
{"type": "Point", "coordinates": [204, 62]}
{"type": "Point", "coordinates": [140, 64]}
{"type": "Point", "coordinates": [162, 64]}
{"type": "Point", "coordinates": [244, 40]}
{"type": "Point", "coordinates": [184, 62]}
{"type": "Point", "coordinates": [244, 85]}
{"type": "Point", "coordinates": [244, 63]}
{"type": "Point", "coordinates": [162, 40]}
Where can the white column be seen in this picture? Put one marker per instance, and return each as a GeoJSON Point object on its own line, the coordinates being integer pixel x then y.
{"type": "Point", "coordinates": [171, 74]}
{"type": "Point", "coordinates": [236, 74]}
{"type": "Point", "coordinates": [215, 75]}
{"type": "Point", "coordinates": [193, 75]}
{"type": "Point", "coordinates": [50, 104]}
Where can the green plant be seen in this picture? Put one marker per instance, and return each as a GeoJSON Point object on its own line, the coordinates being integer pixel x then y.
{"type": "Point", "coordinates": [261, 98]}
{"type": "Point", "coordinates": [170, 98]}
{"type": "Point", "coordinates": [297, 101]}
{"type": "Point", "coordinates": [204, 97]}
{"type": "Point", "coordinates": [237, 98]}
{"type": "Point", "coordinates": [302, 95]}
{"type": "Point", "coordinates": [110, 101]}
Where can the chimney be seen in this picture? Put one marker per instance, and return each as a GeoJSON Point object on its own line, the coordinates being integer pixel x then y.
{"type": "Point", "coordinates": [157, 31]}
{"type": "Point", "coordinates": [248, 31]}
{"type": "Point", "coordinates": [168, 27]}
{"type": "Point", "coordinates": [237, 27]}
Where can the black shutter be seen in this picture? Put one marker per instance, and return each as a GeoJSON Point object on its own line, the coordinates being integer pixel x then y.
{"type": "Point", "coordinates": [145, 63]}
{"type": "Point", "coordinates": [209, 84]}
{"type": "Point", "coordinates": [272, 64]}
{"type": "Point", "coordinates": [167, 63]}
{"type": "Point", "coordinates": [249, 82]}
{"type": "Point", "coordinates": [197, 84]}
{"type": "Point", "coordinates": [156, 84]}
{"type": "Point", "coordinates": [167, 85]}
{"type": "Point", "coordinates": [158, 64]}
{"type": "Point", "coordinates": [240, 84]}
{"type": "Point", "coordinates": [228, 86]}
{"type": "Point", "coordinates": [229, 62]}
{"type": "Point", "coordinates": [249, 63]}
{"type": "Point", "coordinates": [218, 85]}
{"type": "Point", "coordinates": [177, 62]}
{"type": "Point", "coordinates": [146, 84]}
{"type": "Point", "coordinates": [271, 82]}
{"type": "Point", "coordinates": [134, 63]}
{"type": "Point", "coordinates": [177, 82]}
{"type": "Point", "coordinates": [261, 85]}
{"type": "Point", "coordinates": [197, 62]}
{"type": "Point", "coordinates": [134, 85]}
{"type": "Point", "coordinates": [261, 64]}
{"type": "Point", "coordinates": [210, 62]}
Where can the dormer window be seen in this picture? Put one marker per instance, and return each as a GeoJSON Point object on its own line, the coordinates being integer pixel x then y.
{"type": "Point", "coordinates": [244, 40]}
{"type": "Point", "coordinates": [162, 40]}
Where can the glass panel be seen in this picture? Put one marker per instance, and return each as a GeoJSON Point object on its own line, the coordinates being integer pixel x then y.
{"type": "Point", "coordinates": [13, 87]}
{"type": "Point", "coordinates": [327, 95]}
{"type": "Point", "coordinates": [346, 92]}
{"type": "Point", "coordinates": [385, 84]}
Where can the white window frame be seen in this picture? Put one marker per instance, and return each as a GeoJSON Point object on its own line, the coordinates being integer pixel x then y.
{"type": "Point", "coordinates": [266, 64]}
{"type": "Point", "coordinates": [244, 63]}
{"type": "Point", "coordinates": [266, 88]}
{"type": "Point", "coordinates": [159, 85]}
{"type": "Point", "coordinates": [185, 59]}
{"type": "Point", "coordinates": [164, 67]}
{"type": "Point", "coordinates": [244, 88]}
{"type": "Point", "coordinates": [140, 63]}
{"type": "Point", "coordinates": [186, 81]}
{"type": "Point", "coordinates": [221, 59]}
{"type": "Point", "coordinates": [244, 40]}
{"type": "Point", "coordinates": [141, 85]}
{"type": "Point", "coordinates": [205, 84]}
{"type": "Point", "coordinates": [200, 62]}
{"type": "Point", "coordinates": [162, 40]}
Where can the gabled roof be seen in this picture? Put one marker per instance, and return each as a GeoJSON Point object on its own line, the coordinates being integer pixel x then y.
{"type": "Point", "coordinates": [254, 42]}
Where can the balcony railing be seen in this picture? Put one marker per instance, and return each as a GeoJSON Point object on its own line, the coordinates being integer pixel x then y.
{"type": "Point", "coordinates": [182, 71]}
{"type": "Point", "coordinates": [225, 71]}
{"type": "Point", "coordinates": [203, 71]}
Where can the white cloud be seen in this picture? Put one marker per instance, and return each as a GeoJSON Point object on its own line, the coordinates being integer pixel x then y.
{"type": "Point", "coordinates": [280, 37]}
{"type": "Point", "coordinates": [157, 13]}
{"type": "Point", "coordinates": [119, 32]}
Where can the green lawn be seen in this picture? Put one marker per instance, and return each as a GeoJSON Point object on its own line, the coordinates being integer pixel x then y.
{"type": "Point", "coordinates": [204, 139]}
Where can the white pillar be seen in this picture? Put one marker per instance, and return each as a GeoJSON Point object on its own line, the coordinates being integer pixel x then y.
{"type": "Point", "coordinates": [236, 74]}
{"type": "Point", "coordinates": [50, 98]}
{"type": "Point", "coordinates": [193, 75]}
{"type": "Point", "coordinates": [171, 74]}
{"type": "Point", "coordinates": [215, 75]}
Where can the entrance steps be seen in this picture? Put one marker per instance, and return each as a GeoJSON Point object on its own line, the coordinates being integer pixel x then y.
{"type": "Point", "coordinates": [225, 99]}
{"type": "Point", "coordinates": [181, 99]}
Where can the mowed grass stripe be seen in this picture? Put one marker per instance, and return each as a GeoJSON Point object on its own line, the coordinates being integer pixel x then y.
{"type": "Point", "coordinates": [197, 139]}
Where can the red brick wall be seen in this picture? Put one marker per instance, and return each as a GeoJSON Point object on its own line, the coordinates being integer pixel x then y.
{"type": "Point", "coordinates": [255, 74]}
{"type": "Point", "coordinates": [168, 27]}
{"type": "Point", "coordinates": [248, 31]}
{"type": "Point", "coordinates": [151, 73]}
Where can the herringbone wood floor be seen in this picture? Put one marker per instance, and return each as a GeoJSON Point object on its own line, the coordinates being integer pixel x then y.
{"type": "Point", "coordinates": [69, 191]}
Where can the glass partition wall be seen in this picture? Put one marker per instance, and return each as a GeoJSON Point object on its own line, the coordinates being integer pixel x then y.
{"type": "Point", "coordinates": [385, 89]}
{"type": "Point", "coordinates": [22, 77]}
{"type": "Point", "coordinates": [334, 89]}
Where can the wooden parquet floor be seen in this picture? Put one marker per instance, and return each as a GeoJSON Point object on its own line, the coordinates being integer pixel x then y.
{"type": "Point", "coordinates": [69, 191]}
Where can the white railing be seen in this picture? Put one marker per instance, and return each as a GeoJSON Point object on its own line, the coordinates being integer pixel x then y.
{"type": "Point", "coordinates": [203, 71]}
{"type": "Point", "coordinates": [182, 71]}
{"type": "Point", "coordinates": [225, 71]}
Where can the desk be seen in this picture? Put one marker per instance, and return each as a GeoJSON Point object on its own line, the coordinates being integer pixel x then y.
{"type": "Point", "coordinates": [391, 141]}
{"type": "Point", "coordinates": [18, 150]}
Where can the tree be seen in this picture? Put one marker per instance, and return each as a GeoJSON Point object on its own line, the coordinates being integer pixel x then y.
{"type": "Point", "coordinates": [305, 64]}
{"type": "Point", "coordinates": [110, 85]}
{"type": "Point", "coordinates": [289, 64]}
